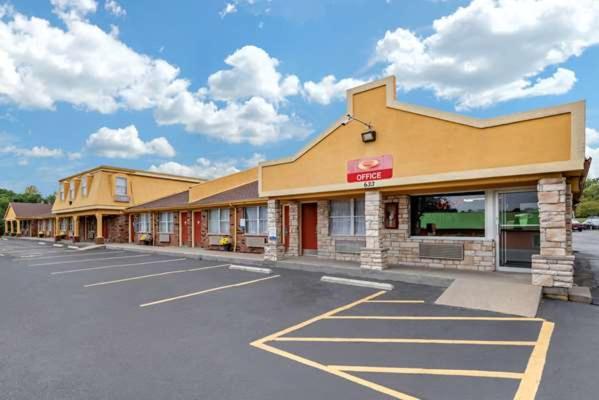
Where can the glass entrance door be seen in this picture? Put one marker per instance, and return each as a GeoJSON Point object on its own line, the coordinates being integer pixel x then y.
{"type": "Point", "coordinates": [519, 232]}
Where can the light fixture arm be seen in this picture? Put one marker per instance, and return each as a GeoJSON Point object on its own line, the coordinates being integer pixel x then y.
{"type": "Point", "coordinates": [352, 118]}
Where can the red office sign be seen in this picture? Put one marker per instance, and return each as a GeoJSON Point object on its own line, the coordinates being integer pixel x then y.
{"type": "Point", "coordinates": [370, 169]}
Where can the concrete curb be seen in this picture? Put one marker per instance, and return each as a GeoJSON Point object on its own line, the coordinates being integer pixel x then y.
{"type": "Point", "coordinates": [42, 243]}
{"type": "Point", "coordinates": [398, 276]}
{"type": "Point", "coordinates": [251, 269]}
{"type": "Point", "coordinates": [57, 245]}
{"type": "Point", "coordinates": [355, 282]}
{"type": "Point", "coordinates": [73, 247]}
{"type": "Point", "coordinates": [91, 247]}
{"type": "Point", "coordinates": [218, 258]}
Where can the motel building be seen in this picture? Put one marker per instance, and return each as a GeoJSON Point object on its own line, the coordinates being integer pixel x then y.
{"type": "Point", "coordinates": [29, 220]}
{"type": "Point", "coordinates": [389, 185]}
{"type": "Point", "coordinates": [91, 205]}
{"type": "Point", "coordinates": [222, 214]}
{"type": "Point", "coordinates": [394, 185]}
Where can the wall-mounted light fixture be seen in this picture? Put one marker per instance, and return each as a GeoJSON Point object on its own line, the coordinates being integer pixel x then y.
{"type": "Point", "coordinates": [369, 135]}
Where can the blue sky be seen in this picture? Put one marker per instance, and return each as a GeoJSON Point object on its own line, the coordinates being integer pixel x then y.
{"type": "Point", "coordinates": [210, 87]}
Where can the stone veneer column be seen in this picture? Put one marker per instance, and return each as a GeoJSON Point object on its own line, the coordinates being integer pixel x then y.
{"type": "Point", "coordinates": [274, 249]}
{"type": "Point", "coordinates": [553, 268]}
{"type": "Point", "coordinates": [293, 249]}
{"type": "Point", "coordinates": [374, 255]}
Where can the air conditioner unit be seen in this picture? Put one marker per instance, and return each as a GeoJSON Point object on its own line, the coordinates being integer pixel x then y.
{"type": "Point", "coordinates": [164, 238]}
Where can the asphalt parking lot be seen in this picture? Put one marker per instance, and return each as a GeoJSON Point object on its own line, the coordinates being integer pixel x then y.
{"type": "Point", "coordinates": [114, 324]}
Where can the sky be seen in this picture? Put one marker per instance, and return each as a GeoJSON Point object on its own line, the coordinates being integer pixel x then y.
{"type": "Point", "coordinates": [207, 88]}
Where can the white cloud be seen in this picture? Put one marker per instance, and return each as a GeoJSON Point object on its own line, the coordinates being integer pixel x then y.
{"type": "Point", "coordinates": [209, 169]}
{"type": "Point", "coordinates": [253, 73]}
{"type": "Point", "coordinates": [230, 8]}
{"type": "Point", "coordinates": [254, 121]}
{"type": "Point", "coordinates": [592, 136]}
{"type": "Point", "coordinates": [594, 153]}
{"type": "Point", "coordinates": [494, 50]}
{"type": "Point", "coordinates": [70, 10]}
{"type": "Point", "coordinates": [329, 89]}
{"type": "Point", "coordinates": [76, 155]}
{"type": "Point", "coordinates": [126, 143]}
{"type": "Point", "coordinates": [42, 65]}
{"type": "Point", "coordinates": [33, 152]}
{"type": "Point", "coordinates": [114, 8]}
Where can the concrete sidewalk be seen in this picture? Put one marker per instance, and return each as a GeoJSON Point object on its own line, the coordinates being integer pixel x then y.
{"type": "Point", "coordinates": [417, 275]}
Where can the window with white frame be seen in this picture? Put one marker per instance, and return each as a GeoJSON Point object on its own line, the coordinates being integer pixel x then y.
{"type": "Point", "coordinates": [50, 223]}
{"type": "Point", "coordinates": [144, 223]}
{"type": "Point", "coordinates": [84, 186]}
{"type": "Point", "coordinates": [61, 189]}
{"type": "Point", "coordinates": [64, 224]}
{"type": "Point", "coordinates": [256, 220]}
{"type": "Point", "coordinates": [121, 186]}
{"type": "Point", "coordinates": [218, 221]}
{"type": "Point", "coordinates": [72, 190]}
{"type": "Point", "coordinates": [166, 222]}
{"type": "Point", "coordinates": [346, 217]}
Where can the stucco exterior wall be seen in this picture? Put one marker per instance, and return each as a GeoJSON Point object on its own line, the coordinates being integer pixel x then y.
{"type": "Point", "coordinates": [460, 148]}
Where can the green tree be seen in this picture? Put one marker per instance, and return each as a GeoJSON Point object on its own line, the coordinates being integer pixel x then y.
{"type": "Point", "coordinates": [589, 201]}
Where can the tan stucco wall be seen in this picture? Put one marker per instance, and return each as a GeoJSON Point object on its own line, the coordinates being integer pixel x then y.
{"type": "Point", "coordinates": [222, 184]}
{"type": "Point", "coordinates": [421, 145]}
{"type": "Point", "coordinates": [10, 214]}
{"type": "Point", "coordinates": [101, 190]}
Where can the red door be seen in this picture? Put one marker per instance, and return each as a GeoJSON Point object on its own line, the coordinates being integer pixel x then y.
{"type": "Point", "coordinates": [105, 227]}
{"type": "Point", "coordinates": [309, 241]}
{"type": "Point", "coordinates": [132, 238]}
{"type": "Point", "coordinates": [286, 227]}
{"type": "Point", "coordinates": [197, 228]}
{"type": "Point", "coordinates": [185, 228]}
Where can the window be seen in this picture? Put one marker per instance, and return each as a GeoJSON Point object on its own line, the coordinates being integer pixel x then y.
{"type": "Point", "coordinates": [121, 186]}
{"type": "Point", "coordinates": [84, 186]}
{"type": "Point", "coordinates": [166, 222]}
{"type": "Point", "coordinates": [144, 223]}
{"type": "Point", "coordinates": [61, 189]}
{"type": "Point", "coordinates": [346, 217]}
{"type": "Point", "coordinates": [461, 214]}
{"type": "Point", "coordinates": [218, 221]}
{"type": "Point", "coordinates": [256, 220]}
{"type": "Point", "coordinates": [72, 190]}
{"type": "Point", "coordinates": [64, 225]}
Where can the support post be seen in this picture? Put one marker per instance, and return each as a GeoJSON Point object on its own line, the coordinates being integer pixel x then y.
{"type": "Point", "coordinates": [274, 249]}
{"type": "Point", "coordinates": [374, 255]}
{"type": "Point", "coordinates": [553, 268]}
{"type": "Point", "coordinates": [75, 228]}
{"type": "Point", "coordinates": [99, 229]}
{"type": "Point", "coordinates": [18, 228]}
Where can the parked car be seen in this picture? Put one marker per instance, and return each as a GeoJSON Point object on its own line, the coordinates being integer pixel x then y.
{"type": "Point", "coordinates": [578, 226]}
{"type": "Point", "coordinates": [592, 222]}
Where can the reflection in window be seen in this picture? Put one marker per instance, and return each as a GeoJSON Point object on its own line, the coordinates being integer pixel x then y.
{"type": "Point", "coordinates": [461, 214]}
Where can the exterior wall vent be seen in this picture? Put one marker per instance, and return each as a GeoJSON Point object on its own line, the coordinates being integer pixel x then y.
{"type": "Point", "coordinates": [442, 251]}
{"type": "Point", "coordinates": [349, 246]}
{"type": "Point", "coordinates": [255, 241]}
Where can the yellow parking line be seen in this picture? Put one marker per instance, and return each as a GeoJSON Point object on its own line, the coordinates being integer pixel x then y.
{"type": "Point", "coordinates": [433, 318]}
{"type": "Point", "coordinates": [360, 381]}
{"type": "Point", "coordinates": [397, 301]}
{"type": "Point", "coordinates": [184, 296]}
{"type": "Point", "coordinates": [430, 371]}
{"type": "Point", "coordinates": [133, 278]}
{"type": "Point", "coordinates": [404, 340]}
{"type": "Point", "coordinates": [536, 363]}
{"type": "Point", "coordinates": [117, 266]}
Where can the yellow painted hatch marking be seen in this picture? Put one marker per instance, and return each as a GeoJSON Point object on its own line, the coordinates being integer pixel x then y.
{"type": "Point", "coordinates": [430, 371]}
